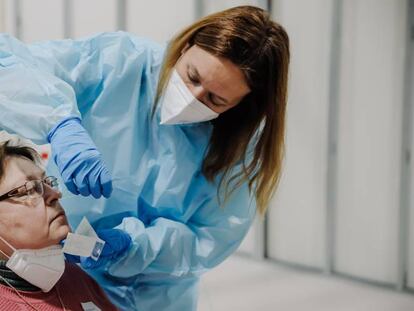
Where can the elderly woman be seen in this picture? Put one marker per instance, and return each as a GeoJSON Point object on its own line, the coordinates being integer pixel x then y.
{"type": "Point", "coordinates": [33, 273]}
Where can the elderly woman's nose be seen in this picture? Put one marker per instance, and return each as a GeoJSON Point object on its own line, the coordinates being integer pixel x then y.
{"type": "Point", "coordinates": [50, 195]}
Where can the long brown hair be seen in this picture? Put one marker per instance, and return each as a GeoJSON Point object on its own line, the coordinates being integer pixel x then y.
{"type": "Point", "coordinates": [246, 36]}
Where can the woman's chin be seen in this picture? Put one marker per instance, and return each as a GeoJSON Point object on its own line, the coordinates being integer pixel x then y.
{"type": "Point", "coordinates": [60, 233]}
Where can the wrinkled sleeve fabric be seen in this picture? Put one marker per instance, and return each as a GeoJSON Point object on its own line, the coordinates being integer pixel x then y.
{"type": "Point", "coordinates": [45, 82]}
{"type": "Point", "coordinates": [170, 248]}
{"type": "Point", "coordinates": [32, 100]}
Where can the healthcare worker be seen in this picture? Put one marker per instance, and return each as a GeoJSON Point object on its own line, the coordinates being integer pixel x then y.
{"type": "Point", "coordinates": [182, 142]}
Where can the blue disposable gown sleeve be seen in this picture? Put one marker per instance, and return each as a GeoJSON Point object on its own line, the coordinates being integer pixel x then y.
{"type": "Point", "coordinates": [32, 100]}
{"type": "Point", "coordinates": [45, 82]}
{"type": "Point", "coordinates": [171, 248]}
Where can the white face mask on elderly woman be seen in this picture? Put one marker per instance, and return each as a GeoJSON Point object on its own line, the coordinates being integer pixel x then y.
{"type": "Point", "coordinates": [179, 106]}
{"type": "Point", "coordinates": [41, 267]}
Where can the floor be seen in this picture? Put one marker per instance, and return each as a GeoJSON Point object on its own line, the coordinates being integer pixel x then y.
{"type": "Point", "coordinates": [244, 284]}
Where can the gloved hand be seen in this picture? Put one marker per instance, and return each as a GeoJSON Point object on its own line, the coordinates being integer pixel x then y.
{"type": "Point", "coordinates": [78, 160]}
{"type": "Point", "coordinates": [117, 242]}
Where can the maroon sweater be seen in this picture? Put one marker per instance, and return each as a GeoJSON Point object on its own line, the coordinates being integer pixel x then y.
{"type": "Point", "coordinates": [75, 287]}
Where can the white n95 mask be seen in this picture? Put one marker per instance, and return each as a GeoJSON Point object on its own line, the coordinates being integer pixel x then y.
{"type": "Point", "coordinates": [179, 106]}
{"type": "Point", "coordinates": [41, 267]}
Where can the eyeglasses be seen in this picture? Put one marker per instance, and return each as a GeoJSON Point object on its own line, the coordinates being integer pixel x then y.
{"type": "Point", "coordinates": [32, 189]}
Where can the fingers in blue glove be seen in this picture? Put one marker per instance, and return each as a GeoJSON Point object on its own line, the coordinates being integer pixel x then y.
{"type": "Point", "coordinates": [94, 185]}
{"type": "Point", "coordinates": [84, 190]}
{"type": "Point", "coordinates": [78, 159]}
{"type": "Point", "coordinates": [106, 183]}
{"type": "Point", "coordinates": [116, 242]}
{"type": "Point", "coordinates": [81, 179]}
{"type": "Point", "coordinates": [72, 258]}
{"type": "Point", "coordinates": [71, 186]}
{"type": "Point", "coordinates": [89, 263]}
{"type": "Point", "coordinates": [90, 182]}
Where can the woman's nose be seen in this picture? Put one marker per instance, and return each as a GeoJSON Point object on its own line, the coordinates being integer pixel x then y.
{"type": "Point", "coordinates": [51, 195]}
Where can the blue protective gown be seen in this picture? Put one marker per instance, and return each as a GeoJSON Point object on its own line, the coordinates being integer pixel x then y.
{"type": "Point", "coordinates": [178, 228]}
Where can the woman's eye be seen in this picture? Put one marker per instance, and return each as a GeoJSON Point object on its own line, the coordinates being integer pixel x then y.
{"type": "Point", "coordinates": [193, 79]}
{"type": "Point", "coordinates": [30, 191]}
{"type": "Point", "coordinates": [20, 193]}
{"type": "Point", "coordinates": [211, 99]}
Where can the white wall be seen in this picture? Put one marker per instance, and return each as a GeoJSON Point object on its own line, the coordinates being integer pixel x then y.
{"type": "Point", "coordinates": [297, 213]}
{"type": "Point", "coordinates": [214, 6]}
{"type": "Point", "coordinates": [92, 16]}
{"type": "Point", "coordinates": [159, 20]}
{"type": "Point", "coordinates": [369, 138]}
{"type": "Point", "coordinates": [8, 17]}
{"type": "Point", "coordinates": [410, 90]}
{"type": "Point", "coordinates": [2, 16]}
{"type": "Point", "coordinates": [370, 115]}
{"type": "Point", "coordinates": [253, 243]}
{"type": "Point", "coordinates": [410, 253]}
{"type": "Point", "coordinates": [38, 27]}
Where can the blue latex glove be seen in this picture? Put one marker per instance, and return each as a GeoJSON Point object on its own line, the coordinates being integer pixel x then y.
{"type": "Point", "coordinates": [78, 160]}
{"type": "Point", "coordinates": [117, 242]}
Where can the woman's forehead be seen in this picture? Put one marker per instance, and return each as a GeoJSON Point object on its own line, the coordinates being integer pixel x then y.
{"type": "Point", "coordinates": [18, 170]}
{"type": "Point", "coordinates": [221, 74]}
